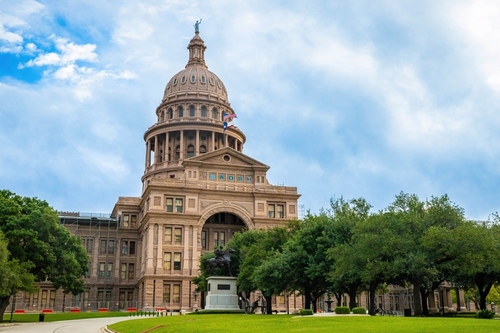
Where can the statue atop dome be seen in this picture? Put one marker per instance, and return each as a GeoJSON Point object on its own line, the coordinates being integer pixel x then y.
{"type": "Point", "coordinates": [197, 26]}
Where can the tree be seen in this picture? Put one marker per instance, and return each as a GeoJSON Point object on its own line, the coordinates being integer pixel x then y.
{"type": "Point", "coordinates": [259, 252]}
{"type": "Point", "coordinates": [344, 274]}
{"type": "Point", "coordinates": [477, 258]}
{"type": "Point", "coordinates": [14, 276]}
{"type": "Point", "coordinates": [421, 266]}
{"type": "Point", "coordinates": [36, 240]}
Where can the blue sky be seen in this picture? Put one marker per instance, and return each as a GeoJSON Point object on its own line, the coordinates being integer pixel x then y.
{"type": "Point", "coordinates": [340, 98]}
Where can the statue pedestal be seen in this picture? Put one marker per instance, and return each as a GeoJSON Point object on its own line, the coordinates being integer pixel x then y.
{"type": "Point", "coordinates": [222, 293]}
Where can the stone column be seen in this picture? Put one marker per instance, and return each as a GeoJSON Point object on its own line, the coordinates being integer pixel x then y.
{"type": "Point", "coordinates": [147, 154]}
{"type": "Point", "coordinates": [197, 144]}
{"type": "Point", "coordinates": [156, 150]}
{"type": "Point", "coordinates": [167, 146]}
{"type": "Point", "coordinates": [181, 153]}
{"type": "Point", "coordinates": [432, 302]}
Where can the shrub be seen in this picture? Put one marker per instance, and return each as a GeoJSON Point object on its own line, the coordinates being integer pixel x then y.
{"type": "Point", "coordinates": [485, 314]}
{"type": "Point", "coordinates": [342, 310]}
{"type": "Point", "coordinates": [306, 312]}
{"type": "Point", "coordinates": [359, 310]}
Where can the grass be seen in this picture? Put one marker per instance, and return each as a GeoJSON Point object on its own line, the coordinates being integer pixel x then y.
{"type": "Point", "coordinates": [33, 317]}
{"type": "Point", "coordinates": [291, 324]}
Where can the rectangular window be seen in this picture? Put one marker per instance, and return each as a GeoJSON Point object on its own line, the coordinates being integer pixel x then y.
{"type": "Point", "coordinates": [123, 271]}
{"type": "Point", "coordinates": [26, 299]}
{"type": "Point", "coordinates": [110, 270]}
{"type": "Point", "coordinates": [52, 298]}
{"type": "Point", "coordinates": [178, 205]}
{"type": "Point", "coordinates": [125, 220]}
{"type": "Point", "coordinates": [44, 298]}
{"type": "Point", "coordinates": [89, 270]}
{"type": "Point", "coordinates": [169, 203]}
{"type": "Point", "coordinates": [133, 221]}
{"type": "Point", "coordinates": [216, 239]}
{"type": "Point", "coordinates": [124, 247]}
{"type": "Point", "coordinates": [204, 239]}
{"type": "Point", "coordinates": [132, 247]}
{"type": "Point", "coordinates": [111, 246]}
{"type": "Point", "coordinates": [101, 270]}
{"type": "Point", "coordinates": [270, 211]}
{"type": "Point", "coordinates": [167, 261]}
{"type": "Point", "coordinates": [100, 295]}
{"type": "Point", "coordinates": [280, 211]}
{"type": "Point", "coordinates": [102, 248]}
{"type": "Point", "coordinates": [131, 271]}
{"type": "Point", "coordinates": [35, 299]}
{"type": "Point", "coordinates": [168, 235]}
{"type": "Point", "coordinates": [178, 235]}
{"type": "Point", "coordinates": [177, 261]}
{"type": "Point", "coordinates": [222, 238]}
{"type": "Point", "coordinates": [166, 294]}
{"type": "Point", "coordinates": [90, 245]}
{"type": "Point", "coordinates": [176, 294]}
{"type": "Point", "coordinates": [122, 300]}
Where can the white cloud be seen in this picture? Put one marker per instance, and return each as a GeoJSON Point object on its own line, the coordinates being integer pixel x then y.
{"type": "Point", "coordinates": [10, 37]}
{"type": "Point", "coordinates": [477, 24]}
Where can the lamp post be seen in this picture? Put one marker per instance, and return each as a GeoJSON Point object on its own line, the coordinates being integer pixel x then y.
{"type": "Point", "coordinates": [442, 289]}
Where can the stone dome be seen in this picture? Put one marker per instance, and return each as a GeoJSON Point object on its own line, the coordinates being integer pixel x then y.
{"type": "Point", "coordinates": [196, 77]}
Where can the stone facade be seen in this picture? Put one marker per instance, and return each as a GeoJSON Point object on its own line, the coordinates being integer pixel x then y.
{"type": "Point", "coordinates": [198, 190]}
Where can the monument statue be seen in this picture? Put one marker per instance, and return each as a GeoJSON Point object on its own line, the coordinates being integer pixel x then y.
{"type": "Point", "coordinates": [222, 259]}
{"type": "Point", "coordinates": [197, 26]}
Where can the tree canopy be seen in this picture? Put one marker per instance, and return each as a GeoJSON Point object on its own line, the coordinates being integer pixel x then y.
{"type": "Point", "coordinates": [40, 247]}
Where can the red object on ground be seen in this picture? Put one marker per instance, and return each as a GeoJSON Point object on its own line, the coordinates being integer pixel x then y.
{"type": "Point", "coordinates": [102, 310]}
{"type": "Point", "coordinates": [47, 311]}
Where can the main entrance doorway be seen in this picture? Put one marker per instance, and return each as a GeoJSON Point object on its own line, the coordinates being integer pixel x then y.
{"type": "Point", "coordinates": [219, 229]}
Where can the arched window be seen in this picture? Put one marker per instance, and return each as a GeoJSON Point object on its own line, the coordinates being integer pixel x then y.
{"type": "Point", "coordinates": [162, 116]}
{"type": "Point", "coordinates": [191, 110]}
{"type": "Point", "coordinates": [222, 115]}
{"type": "Point", "coordinates": [169, 154]}
{"type": "Point", "coordinates": [170, 113]}
{"type": "Point", "coordinates": [177, 153]}
{"type": "Point", "coordinates": [181, 112]}
{"type": "Point", "coordinates": [190, 151]}
{"type": "Point", "coordinates": [203, 149]}
{"type": "Point", "coordinates": [203, 111]}
{"type": "Point", "coordinates": [214, 113]}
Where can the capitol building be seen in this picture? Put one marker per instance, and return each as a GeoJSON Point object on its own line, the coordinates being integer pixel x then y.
{"type": "Point", "coordinates": [198, 189]}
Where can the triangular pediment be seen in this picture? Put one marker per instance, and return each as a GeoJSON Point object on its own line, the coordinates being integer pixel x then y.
{"type": "Point", "coordinates": [225, 157]}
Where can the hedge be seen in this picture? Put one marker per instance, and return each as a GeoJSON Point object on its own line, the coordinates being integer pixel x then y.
{"type": "Point", "coordinates": [342, 310]}
{"type": "Point", "coordinates": [359, 310]}
{"type": "Point", "coordinates": [306, 312]}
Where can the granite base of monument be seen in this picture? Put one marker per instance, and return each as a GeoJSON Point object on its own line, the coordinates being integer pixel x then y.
{"type": "Point", "coordinates": [222, 293]}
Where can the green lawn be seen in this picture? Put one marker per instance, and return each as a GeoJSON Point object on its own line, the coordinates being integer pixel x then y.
{"type": "Point", "coordinates": [33, 317]}
{"type": "Point", "coordinates": [290, 324]}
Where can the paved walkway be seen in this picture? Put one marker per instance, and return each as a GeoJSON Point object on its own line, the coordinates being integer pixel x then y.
{"type": "Point", "coordinates": [93, 325]}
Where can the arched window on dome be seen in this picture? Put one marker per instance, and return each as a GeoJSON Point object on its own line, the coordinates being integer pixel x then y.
{"type": "Point", "coordinates": [180, 111]}
{"type": "Point", "coordinates": [170, 113]}
{"type": "Point", "coordinates": [177, 153]}
{"type": "Point", "coordinates": [193, 79]}
{"type": "Point", "coordinates": [190, 151]}
{"type": "Point", "coordinates": [162, 116]}
{"type": "Point", "coordinates": [203, 149]}
{"type": "Point", "coordinates": [214, 113]}
{"type": "Point", "coordinates": [191, 110]}
{"type": "Point", "coordinates": [222, 115]}
{"type": "Point", "coordinates": [203, 111]}
{"type": "Point", "coordinates": [202, 79]}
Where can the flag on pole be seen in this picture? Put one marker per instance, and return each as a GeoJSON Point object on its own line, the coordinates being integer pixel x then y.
{"type": "Point", "coordinates": [228, 119]}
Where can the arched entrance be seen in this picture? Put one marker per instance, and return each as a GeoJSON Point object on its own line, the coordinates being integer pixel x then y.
{"type": "Point", "coordinates": [218, 229]}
